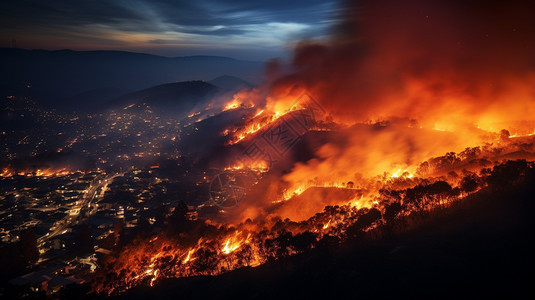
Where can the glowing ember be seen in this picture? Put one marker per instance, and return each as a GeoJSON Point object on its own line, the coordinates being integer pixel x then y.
{"type": "Point", "coordinates": [188, 257]}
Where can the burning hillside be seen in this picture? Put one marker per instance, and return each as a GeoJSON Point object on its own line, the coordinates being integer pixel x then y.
{"type": "Point", "coordinates": [389, 202]}
{"type": "Point", "coordinates": [409, 109]}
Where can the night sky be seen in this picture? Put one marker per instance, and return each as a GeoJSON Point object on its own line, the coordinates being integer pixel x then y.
{"type": "Point", "coordinates": [237, 28]}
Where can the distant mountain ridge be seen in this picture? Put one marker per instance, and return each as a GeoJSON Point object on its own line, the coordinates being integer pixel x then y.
{"type": "Point", "coordinates": [57, 76]}
{"type": "Point", "coordinates": [231, 83]}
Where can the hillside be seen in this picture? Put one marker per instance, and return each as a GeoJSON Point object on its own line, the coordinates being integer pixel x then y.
{"type": "Point", "coordinates": [171, 98]}
{"type": "Point", "coordinates": [482, 248]}
{"type": "Point", "coordinates": [231, 83]}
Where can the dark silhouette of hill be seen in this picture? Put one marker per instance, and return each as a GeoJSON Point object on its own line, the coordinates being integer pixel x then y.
{"type": "Point", "coordinates": [230, 83]}
{"type": "Point", "coordinates": [481, 248]}
{"type": "Point", "coordinates": [93, 99]}
{"type": "Point", "coordinates": [57, 76]}
{"type": "Point", "coordinates": [177, 98]}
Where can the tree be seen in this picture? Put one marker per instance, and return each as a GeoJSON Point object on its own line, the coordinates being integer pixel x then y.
{"type": "Point", "coordinates": [303, 241]}
{"type": "Point", "coordinates": [28, 246]}
{"type": "Point", "coordinates": [363, 222]}
{"type": "Point", "coordinates": [469, 183]}
{"type": "Point", "coordinates": [470, 153]}
{"type": "Point", "coordinates": [118, 228]}
{"type": "Point", "coordinates": [508, 173]}
{"type": "Point", "coordinates": [206, 262]}
{"type": "Point", "coordinates": [84, 240]}
{"type": "Point", "coordinates": [368, 218]}
{"type": "Point", "coordinates": [178, 220]}
{"type": "Point", "coordinates": [391, 211]}
{"type": "Point", "coordinates": [143, 226]}
{"type": "Point", "coordinates": [440, 189]}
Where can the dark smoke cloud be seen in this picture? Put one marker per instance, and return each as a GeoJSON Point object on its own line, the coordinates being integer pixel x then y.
{"type": "Point", "coordinates": [421, 58]}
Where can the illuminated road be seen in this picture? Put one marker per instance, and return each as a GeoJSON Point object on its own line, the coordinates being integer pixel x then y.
{"type": "Point", "coordinates": [94, 193]}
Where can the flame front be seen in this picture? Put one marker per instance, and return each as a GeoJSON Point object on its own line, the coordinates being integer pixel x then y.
{"type": "Point", "coordinates": [44, 172]}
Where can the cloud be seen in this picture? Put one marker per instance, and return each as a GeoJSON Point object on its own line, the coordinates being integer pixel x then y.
{"type": "Point", "coordinates": [199, 21]}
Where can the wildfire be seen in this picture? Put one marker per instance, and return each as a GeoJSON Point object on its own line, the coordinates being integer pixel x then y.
{"type": "Point", "coordinates": [232, 105]}
{"type": "Point", "coordinates": [6, 172]}
{"type": "Point", "coordinates": [301, 188]}
{"type": "Point", "coordinates": [193, 114]}
{"type": "Point", "coordinates": [233, 243]}
{"type": "Point", "coordinates": [260, 166]}
{"type": "Point", "coordinates": [237, 102]}
{"type": "Point", "coordinates": [258, 113]}
{"type": "Point", "coordinates": [253, 243]}
{"type": "Point", "coordinates": [48, 172]}
{"type": "Point", "coordinates": [254, 125]}
{"type": "Point", "coordinates": [289, 193]}
{"type": "Point", "coordinates": [188, 257]}
{"type": "Point", "coordinates": [423, 151]}
{"type": "Point", "coordinates": [360, 202]}
{"type": "Point", "coordinates": [403, 173]}
{"type": "Point", "coordinates": [154, 277]}
{"type": "Point", "coordinates": [516, 135]}
{"type": "Point", "coordinates": [274, 110]}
